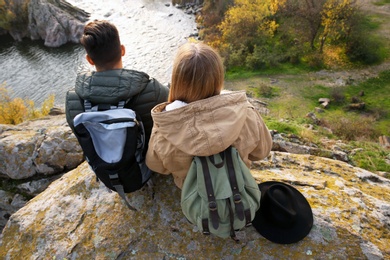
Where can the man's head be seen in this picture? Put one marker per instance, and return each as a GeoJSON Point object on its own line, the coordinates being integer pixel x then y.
{"type": "Point", "coordinates": [101, 41]}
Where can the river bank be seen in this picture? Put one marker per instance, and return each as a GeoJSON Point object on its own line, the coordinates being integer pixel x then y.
{"type": "Point", "coordinates": [151, 30]}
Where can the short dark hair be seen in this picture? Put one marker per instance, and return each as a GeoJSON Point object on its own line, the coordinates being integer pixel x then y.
{"type": "Point", "coordinates": [101, 41]}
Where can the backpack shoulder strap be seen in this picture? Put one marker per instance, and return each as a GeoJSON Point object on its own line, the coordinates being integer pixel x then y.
{"type": "Point", "coordinates": [239, 206]}
{"type": "Point", "coordinates": [210, 195]}
{"type": "Point", "coordinates": [233, 183]}
{"type": "Point", "coordinates": [87, 106]}
{"type": "Point", "coordinates": [114, 178]}
{"type": "Point", "coordinates": [73, 106]}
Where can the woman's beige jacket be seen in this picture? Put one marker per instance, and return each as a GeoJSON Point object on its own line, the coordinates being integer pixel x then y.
{"type": "Point", "coordinates": [204, 128]}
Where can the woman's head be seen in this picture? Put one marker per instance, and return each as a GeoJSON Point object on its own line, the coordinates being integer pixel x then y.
{"type": "Point", "coordinates": [198, 73]}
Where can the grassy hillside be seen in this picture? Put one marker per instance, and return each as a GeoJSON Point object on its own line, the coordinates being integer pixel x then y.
{"type": "Point", "coordinates": [292, 92]}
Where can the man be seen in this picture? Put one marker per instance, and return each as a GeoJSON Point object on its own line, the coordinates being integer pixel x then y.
{"type": "Point", "coordinates": [111, 83]}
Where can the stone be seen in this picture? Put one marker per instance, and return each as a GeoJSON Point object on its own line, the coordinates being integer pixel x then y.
{"type": "Point", "coordinates": [357, 106]}
{"type": "Point", "coordinates": [313, 117]}
{"type": "Point", "coordinates": [54, 111]}
{"type": "Point", "coordinates": [76, 218]}
{"type": "Point", "coordinates": [41, 147]}
{"type": "Point", "coordinates": [281, 145]}
{"type": "Point", "coordinates": [55, 21]}
{"type": "Point", "coordinates": [324, 102]}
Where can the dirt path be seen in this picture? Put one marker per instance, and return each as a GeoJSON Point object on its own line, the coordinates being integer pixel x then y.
{"type": "Point", "coordinates": [369, 5]}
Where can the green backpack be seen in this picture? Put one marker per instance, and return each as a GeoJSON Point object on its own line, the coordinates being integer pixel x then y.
{"type": "Point", "coordinates": [219, 194]}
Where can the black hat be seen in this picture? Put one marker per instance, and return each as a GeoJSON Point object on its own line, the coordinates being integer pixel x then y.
{"type": "Point", "coordinates": [284, 216]}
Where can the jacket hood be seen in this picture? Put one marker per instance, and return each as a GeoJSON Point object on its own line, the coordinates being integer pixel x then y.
{"type": "Point", "coordinates": [110, 86]}
{"type": "Point", "coordinates": [203, 127]}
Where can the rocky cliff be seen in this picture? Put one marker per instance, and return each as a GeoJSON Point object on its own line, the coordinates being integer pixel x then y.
{"type": "Point", "coordinates": [77, 218]}
{"type": "Point", "coordinates": [54, 21]}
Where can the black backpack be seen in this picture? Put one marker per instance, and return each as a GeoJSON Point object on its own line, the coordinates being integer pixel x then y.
{"type": "Point", "coordinates": [113, 142]}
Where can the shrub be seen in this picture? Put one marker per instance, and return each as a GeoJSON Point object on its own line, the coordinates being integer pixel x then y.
{"type": "Point", "coordinates": [364, 49]}
{"type": "Point", "coordinates": [16, 110]}
{"type": "Point", "coordinates": [351, 126]}
{"type": "Point", "coordinates": [337, 95]}
{"type": "Point", "coordinates": [263, 90]}
{"type": "Point", "coordinates": [314, 60]}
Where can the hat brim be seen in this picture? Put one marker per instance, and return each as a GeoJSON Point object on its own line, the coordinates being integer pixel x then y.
{"type": "Point", "coordinates": [285, 235]}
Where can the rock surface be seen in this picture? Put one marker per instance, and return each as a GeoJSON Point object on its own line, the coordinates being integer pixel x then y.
{"type": "Point", "coordinates": [32, 155]}
{"type": "Point", "coordinates": [76, 218]}
{"type": "Point", "coordinates": [54, 21]}
{"type": "Point", "coordinates": [38, 148]}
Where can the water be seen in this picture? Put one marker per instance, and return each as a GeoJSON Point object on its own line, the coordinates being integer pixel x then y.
{"type": "Point", "coordinates": [150, 30]}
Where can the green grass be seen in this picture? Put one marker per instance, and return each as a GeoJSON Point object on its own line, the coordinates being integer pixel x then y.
{"type": "Point", "coordinates": [285, 68]}
{"type": "Point", "coordinates": [371, 156]}
{"type": "Point", "coordinates": [290, 98]}
{"type": "Point", "coordinates": [377, 99]}
{"type": "Point", "coordinates": [369, 22]}
{"type": "Point", "coordinates": [382, 2]}
{"type": "Point", "coordinates": [376, 92]}
{"type": "Point", "coordinates": [282, 126]}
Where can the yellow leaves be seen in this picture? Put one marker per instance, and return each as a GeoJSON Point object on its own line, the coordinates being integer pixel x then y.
{"type": "Point", "coordinates": [12, 111]}
{"type": "Point", "coordinates": [276, 4]}
{"type": "Point", "coordinates": [17, 110]}
{"type": "Point", "coordinates": [248, 19]}
{"type": "Point", "coordinates": [283, 30]}
{"type": "Point", "coordinates": [47, 105]}
{"type": "Point", "coordinates": [336, 15]}
{"type": "Point", "coordinates": [334, 57]}
{"type": "Point", "coordinates": [6, 15]}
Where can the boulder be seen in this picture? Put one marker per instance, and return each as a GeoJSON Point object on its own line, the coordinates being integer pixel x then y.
{"type": "Point", "coordinates": [324, 102]}
{"type": "Point", "coordinates": [77, 218]}
{"type": "Point", "coordinates": [288, 144]}
{"type": "Point", "coordinates": [32, 155]}
{"type": "Point", "coordinates": [38, 148]}
{"type": "Point", "coordinates": [55, 21]}
{"type": "Point", "coordinates": [357, 106]}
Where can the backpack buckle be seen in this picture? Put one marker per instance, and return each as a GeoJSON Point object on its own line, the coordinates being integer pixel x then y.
{"type": "Point", "coordinates": [114, 178]}
{"type": "Point", "coordinates": [212, 205]}
{"type": "Point", "coordinates": [237, 198]}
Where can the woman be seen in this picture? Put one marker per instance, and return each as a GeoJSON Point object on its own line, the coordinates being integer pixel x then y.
{"type": "Point", "coordinates": [198, 120]}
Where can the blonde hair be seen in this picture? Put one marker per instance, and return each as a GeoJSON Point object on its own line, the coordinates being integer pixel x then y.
{"type": "Point", "coordinates": [198, 73]}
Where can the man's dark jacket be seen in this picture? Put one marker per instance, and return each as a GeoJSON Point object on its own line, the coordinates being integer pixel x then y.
{"type": "Point", "coordinates": [136, 88]}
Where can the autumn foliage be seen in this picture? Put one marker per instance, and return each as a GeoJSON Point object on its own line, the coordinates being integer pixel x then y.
{"type": "Point", "coordinates": [258, 34]}
{"type": "Point", "coordinates": [16, 110]}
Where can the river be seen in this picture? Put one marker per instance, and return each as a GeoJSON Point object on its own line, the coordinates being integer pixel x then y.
{"type": "Point", "coordinates": [151, 31]}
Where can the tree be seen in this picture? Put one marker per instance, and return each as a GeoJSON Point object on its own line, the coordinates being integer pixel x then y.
{"type": "Point", "coordinates": [211, 16]}
{"type": "Point", "coordinates": [6, 15]}
{"type": "Point", "coordinates": [247, 20]}
{"type": "Point", "coordinates": [306, 13]}
{"type": "Point", "coordinates": [259, 33]}
{"type": "Point", "coordinates": [248, 24]}
{"type": "Point", "coordinates": [13, 14]}
{"type": "Point", "coordinates": [337, 20]}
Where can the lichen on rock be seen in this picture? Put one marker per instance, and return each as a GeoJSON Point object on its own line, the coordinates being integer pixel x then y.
{"type": "Point", "coordinates": [76, 217]}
